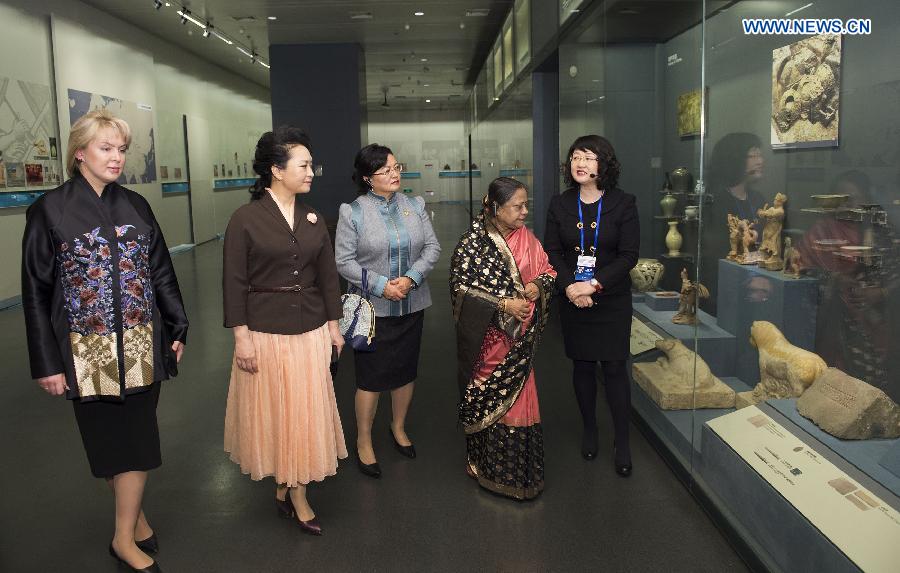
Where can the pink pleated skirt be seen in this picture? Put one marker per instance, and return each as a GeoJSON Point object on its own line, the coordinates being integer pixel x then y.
{"type": "Point", "coordinates": [283, 421]}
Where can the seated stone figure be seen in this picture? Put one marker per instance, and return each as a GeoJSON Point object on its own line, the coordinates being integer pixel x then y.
{"type": "Point", "coordinates": [785, 370]}
{"type": "Point", "coordinates": [670, 381]}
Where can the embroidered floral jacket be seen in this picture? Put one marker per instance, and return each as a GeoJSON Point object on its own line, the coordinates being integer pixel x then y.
{"type": "Point", "coordinates": [101, 300]}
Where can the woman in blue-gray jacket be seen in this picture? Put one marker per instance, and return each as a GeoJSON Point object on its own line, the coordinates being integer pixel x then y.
{"type": "Point", "coordinates": [390, 236]}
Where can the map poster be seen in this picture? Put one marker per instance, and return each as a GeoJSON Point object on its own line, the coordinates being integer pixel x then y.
{"type": "Point", "coordinates": [15, 174]}
{"type": "Point", "coordinates": [853, 518]}
{"type": "Point", "coordinates": [140, 163]}
{"type": "Point", "coordinates": [34, 174]}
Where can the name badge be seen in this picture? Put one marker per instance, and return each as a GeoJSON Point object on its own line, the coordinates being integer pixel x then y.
{"type": "Point", "coordinates": [584, 270]}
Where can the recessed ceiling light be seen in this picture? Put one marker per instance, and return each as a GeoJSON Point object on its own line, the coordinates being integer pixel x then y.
{"type": "Point", "coordinates": [424, 59]}
{"type": "Point", "coordinates": [427, 101]}
{"type": "Point", "coordinates": [273, 17]}
{"type": "Point", "coordinates": [426, 85]}
{"type": "Point", "coordinates": [419, 14]}
{"type": "Point", "coordinates": [477, 12]}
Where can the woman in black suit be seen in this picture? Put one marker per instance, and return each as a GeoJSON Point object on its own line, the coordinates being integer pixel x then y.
{"type": "Point", "coordinates": [592, 239]}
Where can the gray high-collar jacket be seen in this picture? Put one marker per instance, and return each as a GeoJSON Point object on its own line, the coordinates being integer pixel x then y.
{"type": "Point", "coordinates": [390, 239]}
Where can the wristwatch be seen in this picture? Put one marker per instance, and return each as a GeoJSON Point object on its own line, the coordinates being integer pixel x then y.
{"type": "Point", "coordinates": [596, 284]}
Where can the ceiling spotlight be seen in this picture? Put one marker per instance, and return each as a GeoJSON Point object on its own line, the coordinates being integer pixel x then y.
{"type": "Point", "coordinates": [207, 31]}
{"type": "Point", "coordinates": [168, 4]}
{"type": "Point", "coordinates": [427, 101]}
{"type": "Point", "coordinates": [419, 14]}
{"type": "Point", "coordinates": [406, 26]}
{"type": "Point", "coordinates": [462, 25]}
{"type": "Point", "coordinates": [183, 17]}
{"type": "Point", "coordinates": [157, 4]}
{"type": "Point", "coordinates": [424, 59]}
{"type": "Point", "coordinates": [273, 17]}
{"type": "Point", "coordinates": [253, 58]}
{"type": "Point", "coordinates": [426, 85]}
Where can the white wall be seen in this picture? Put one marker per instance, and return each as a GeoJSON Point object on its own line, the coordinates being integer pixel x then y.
{"type": "Point", "coordinates": [425, 142]}
{"type": "Point", "coordinates": [92, 51]}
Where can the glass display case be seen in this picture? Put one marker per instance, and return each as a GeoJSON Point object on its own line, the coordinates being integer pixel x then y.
{"type": "Point", "coordinates": [765, 344]}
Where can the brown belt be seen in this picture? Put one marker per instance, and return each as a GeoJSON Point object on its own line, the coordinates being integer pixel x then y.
{"type": "Point", "coordinates": [294, 288]}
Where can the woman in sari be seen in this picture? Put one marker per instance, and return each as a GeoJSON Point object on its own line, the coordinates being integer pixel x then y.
{"type": "Point", "coordinates": [500, 288]}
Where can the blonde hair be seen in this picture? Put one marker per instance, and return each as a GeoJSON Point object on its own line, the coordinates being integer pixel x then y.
{"type": "Point", "coordinates": [85, 130]}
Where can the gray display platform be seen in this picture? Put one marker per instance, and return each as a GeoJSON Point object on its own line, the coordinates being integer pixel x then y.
{"type": "Point", "coordinates": [716, 346]}
{"type": "Point", "coordinates": [867, 455]}
{"type": "Point", "coordinates": [665, 300]}
{"type": "Point", "coordinates": [679, 427]}
{"type": "Point", "coordinates": [747, 293]}
{"type": "Point", "coordinates": [774, 526]}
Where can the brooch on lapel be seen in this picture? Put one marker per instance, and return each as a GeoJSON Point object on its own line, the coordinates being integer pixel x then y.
{"type": "Point", "coordinates": [406, 212]}
{"type": "Point", "coordinates": [311, 217]}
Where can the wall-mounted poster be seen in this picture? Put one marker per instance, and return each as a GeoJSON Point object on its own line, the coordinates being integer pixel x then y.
{"type": "Point", "coordinates": [806, 85]}
{"type": "Point", "coordinates": [230, 174]}
{"type": "Point", "coordinates": [2, 174]}
{"type": "Point", "coordinates": [223, 170]}
{"type": "Point", "coordinates": [140, 166]}
{"type": "Point", "coordinates": [689, 110]}
{"type": "Point", "coordinates": [27, 126]}
{"type": "Point", "coordinates": [246, 173]}
{"type": "Point", "coordinates": [15, 174]}
{"type": "Point", "coordinates": [215, 170]}
{"type": "Point", "coordinates": [34, 174]}
{"type": "Point", "coordinates": [163, 171]}
{"type": "Point", "coordinates": [178, 173]}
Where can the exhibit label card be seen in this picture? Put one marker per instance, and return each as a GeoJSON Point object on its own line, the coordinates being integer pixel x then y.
{"type": "Point", "coordinates": [854, 519]}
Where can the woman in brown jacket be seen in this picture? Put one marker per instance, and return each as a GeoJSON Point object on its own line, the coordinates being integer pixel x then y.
{"type": "Point", "coordinates": [282, 300]}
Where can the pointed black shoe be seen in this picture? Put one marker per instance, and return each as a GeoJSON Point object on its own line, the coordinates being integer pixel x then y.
{"type": "Point", "coordinates": [152, 568]}
{"type": "Point", "coordinates": [408, 451]}
{"type": "Point", "coordinates": [371, 470]}
{"type": "Point", "coordinates": [149, 545]}
{"type": "Point", "coordinates": [589, 444]}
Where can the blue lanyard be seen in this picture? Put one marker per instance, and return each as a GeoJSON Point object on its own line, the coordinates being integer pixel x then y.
{"type": "Point", "coordinates": [596, 225]}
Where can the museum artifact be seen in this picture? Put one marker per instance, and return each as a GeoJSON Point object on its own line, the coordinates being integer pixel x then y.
{"type": "Point", "coordinates": [832, 201]}
{"type": "Point", "coordinates": [793, 265]}
{"type": "Point", "coordinates": [689, 108]}
{"type": "Point", "coordinates": [673, 239]}
{"type": "Point", "coordinates": [747, 254]}
{"type": "Point", "coordinates": [848, 408]}
{"type": "Point", "coordinates": [734, 237]}
{"type": "Point", "coordinates": [668, 202]}
{"type": "Point", "coordinates": [646, 274]}
{"type": "Point", "coordinates": [770, 249]}
{"type": "Point", "coordinates": [687, 305]}
{"type": "Point", "coordinates": [691, 212]}
{"type": "Point", "coordinates": [670, 381]}
{"type": "Point", "coordinates": [682, 180]}
{"type": "Point", "coordinates": [806, 77]}
{"type": "Point", "coordinates": [785, 370]}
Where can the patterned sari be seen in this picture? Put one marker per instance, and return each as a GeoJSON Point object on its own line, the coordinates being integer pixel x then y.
{"type": "Point", "coordinates": [498, 407]}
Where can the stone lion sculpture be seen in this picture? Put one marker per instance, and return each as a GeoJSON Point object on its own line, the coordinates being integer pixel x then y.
{"type": "Point", "coordinates": [670, 380]}
{"type": "Point", "coordinates": [785, 370]}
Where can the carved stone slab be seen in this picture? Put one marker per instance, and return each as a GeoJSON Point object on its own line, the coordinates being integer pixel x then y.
{"type": "Point", "coordinates": [669, 394]}
{"type": "Point", "coordinates": [848, 408]}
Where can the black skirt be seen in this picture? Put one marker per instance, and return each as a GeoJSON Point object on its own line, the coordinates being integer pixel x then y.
{"type": "Point", "coordinates": [395, 362]}
{"type": "Point", "coordinates": [120, 436]}
{"type": "Point", "coordinates": [601, 332]}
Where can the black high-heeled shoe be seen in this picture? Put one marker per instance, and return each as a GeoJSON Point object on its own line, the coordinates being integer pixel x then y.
{"type": "Point", "coordinates": [371, 470]}
{"type": "Point", "coordinates": [311, 527]}
{"type": "Point", "coordinates": [623, 466]}
{"type": "Point", "coordinates": [152, 568]}
{"type": "Point", "coordinates": [149, 545]}
{"type": "Point", "coordinates": [408, 451]}
{"type": "Point", "coordinates": [590, 444]}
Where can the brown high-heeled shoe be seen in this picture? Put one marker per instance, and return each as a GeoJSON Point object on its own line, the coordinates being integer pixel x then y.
{"type": "Point", "coordinates": [311, 527]}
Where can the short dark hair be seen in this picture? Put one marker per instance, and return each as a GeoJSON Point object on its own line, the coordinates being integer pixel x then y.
{"type": "Point", "coordinates": [728, 161]}
{"type": "Point", "coordinates": [274, 149]}
{"type": "Point", "coordinates": [608, 167]}
{"type": "Point", "coordinates": [368, 160]}
{"type": "Point", "coordinates": [500, 191]}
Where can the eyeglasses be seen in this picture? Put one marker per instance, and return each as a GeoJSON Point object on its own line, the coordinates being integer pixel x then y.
{"type": "Point", "coordinates": [583, 158]}
{"type": "Point", "coordinates": [398, 169]}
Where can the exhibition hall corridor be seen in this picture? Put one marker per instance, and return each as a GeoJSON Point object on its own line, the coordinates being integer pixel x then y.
{"type": "Point", "coordinates": [423, 515]}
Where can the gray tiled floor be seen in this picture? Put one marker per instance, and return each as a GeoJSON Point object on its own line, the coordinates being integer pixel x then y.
{"type": "Point", "coordinates": [423, 515]}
